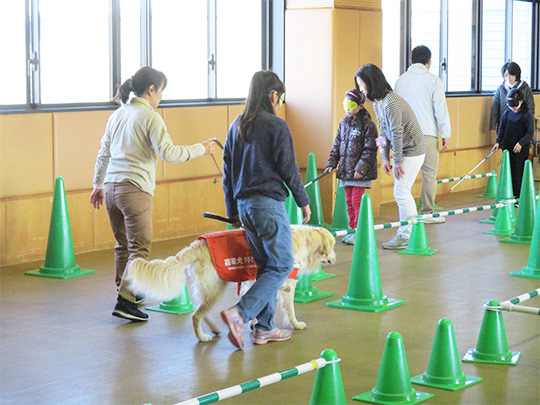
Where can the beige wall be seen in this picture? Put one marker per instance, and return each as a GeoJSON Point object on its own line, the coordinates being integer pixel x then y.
{"type": "Point", "coordinates": [325, 46]}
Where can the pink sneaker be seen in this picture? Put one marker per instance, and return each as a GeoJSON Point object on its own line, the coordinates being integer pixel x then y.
{"type": "Point", "coordinates": [235, 323]}
{"type": "Point", "coordinates": [262, 337]}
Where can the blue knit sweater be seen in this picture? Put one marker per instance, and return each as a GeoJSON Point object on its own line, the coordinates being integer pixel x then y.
{"type": "Point", "coordinates": [262, 166]}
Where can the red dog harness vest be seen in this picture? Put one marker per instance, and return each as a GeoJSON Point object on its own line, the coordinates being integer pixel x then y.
{"type": "Point", "coordinates": [232, 256]}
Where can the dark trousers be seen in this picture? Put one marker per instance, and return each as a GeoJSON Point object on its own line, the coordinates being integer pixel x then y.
{"type": "Point", "coordinates": [517, 163]}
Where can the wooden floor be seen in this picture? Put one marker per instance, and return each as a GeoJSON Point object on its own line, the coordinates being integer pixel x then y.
{"type": "Point", "coordinates": [60, 345]}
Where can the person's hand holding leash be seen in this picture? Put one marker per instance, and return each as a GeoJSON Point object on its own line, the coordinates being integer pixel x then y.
{"type": "Point", "coordinates": [209, 146]}
{"type": "Point", "coordinates": [235, 221]}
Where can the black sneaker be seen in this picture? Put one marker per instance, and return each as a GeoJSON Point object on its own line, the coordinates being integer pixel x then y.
{"type": "Point", "coordinates": [139, 299]}
{"type": "Point", "coordinates": [128, 310]}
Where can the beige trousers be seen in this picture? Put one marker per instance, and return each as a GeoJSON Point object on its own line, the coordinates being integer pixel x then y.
{"type": "Point", "coordinates": [429, 174]}
{"type": "Point", "coordinates": [130, 216]}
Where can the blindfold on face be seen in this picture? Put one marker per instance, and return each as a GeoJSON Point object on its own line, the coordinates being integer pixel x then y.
{"type": "Point", "coordinates": [512, 102]}
{"type": "Point", "coordinates": [350, 105]}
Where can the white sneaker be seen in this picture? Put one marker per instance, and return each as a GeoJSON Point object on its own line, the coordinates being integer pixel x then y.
{"type": "Point", "coordinates": [349, 240]}
{"type": "Point", "coordinates": [396, 243]}
{"type": "Point", "coordinates": [435, 220]}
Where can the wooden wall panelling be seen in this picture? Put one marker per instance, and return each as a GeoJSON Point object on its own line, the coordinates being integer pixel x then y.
{"type": "Point", "coordinates": [192, 125]}
{"type": "Point", "coordinates": [3, 236]}
{"type": "Point", "coordinates": [81, 219]}
{"type": "Point", "coordinates": [27, 229]}
{"type": "Point", "coordinates": [77, 137]}
{"type": "Point", "coordinates": [188, 200]}
{"type": "Point", "coordinates": [26, 155]}
{"type": "Point", "coordinates": [473, 122]}
{"type": "Point", "coordinates": [309, 55]}
{"type": "Point", "coordinates": [103, 235]}
{"type": "Point", "coordinates": [232, 112]}
{"type": "Point", "coordinates": [161, 223]}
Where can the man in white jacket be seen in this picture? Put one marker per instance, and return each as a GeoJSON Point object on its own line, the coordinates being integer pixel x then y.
{"type": "Point", "coordinates": [425, 93]}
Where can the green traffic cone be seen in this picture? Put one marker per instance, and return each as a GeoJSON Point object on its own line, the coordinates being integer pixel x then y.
{"type": "Point", "coordinates": [328, 386]}
{"type": "Point", "coordinates": [177, 306]}
{"type": "Point", "coordinates": [491, 346]}
{"type": "Point", "coordinates": [320, 274]}
{"type": "Point", "coordinates": [418, 244]}
{"type": "Point", "coordinates": [314, 193]}
{"type": "Point", "coordinates": [294, 212]}
{"type": "Point", "coordinates": [504, 188]}
{"type": "Point", "coordinates": [491, 186]}
{"type": "Point", "coordinates": [393, 382]}
{"type": "Point", "coordinates": [532, 269]}
{"type": "Point", "coordinates": [503, 222]}
{"type": "Point", "coordinates": [60, 258]}
{"type": "Point", "coordinates": [340, 219]}
{"type": "Point", "coordinates": [365, 292]}
{"type": "Point", "coordinates": [526, 211]}
{"type": "Point", "coordinates": [444, 368]}
{"type": "Point", "coordinates": [305, 292]}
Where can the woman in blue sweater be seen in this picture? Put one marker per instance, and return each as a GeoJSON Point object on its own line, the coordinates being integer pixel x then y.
{"type": "Point", "coordinates": [515, 134]}
{"type": "Point", "coordinates": [258, 161]}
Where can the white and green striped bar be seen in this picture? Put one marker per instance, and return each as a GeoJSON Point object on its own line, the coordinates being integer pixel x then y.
{"type": "Point", "coordinates": [419, 218]}
{"type": "Point", "coordinates": [474, 176]}
{"type": "Point", "coordinates": [259, 382]}
{"type": "Point", "coordinates": [511, 304]}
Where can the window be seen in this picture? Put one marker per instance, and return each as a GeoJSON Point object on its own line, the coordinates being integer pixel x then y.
{"type": "Point", "coordinates": [460, 39]}
{"type": "Point", "coordinates": [493, 43]}
{"type": "Point", "coordinates": [180, 47]}
{"type": "Point", "coordinates": [74, 51]}
{"type": "Point", "coordinates": [13, 74]}
{"type": "Point", "coordinates": [470, 40]}
{"type": "Point", "coordinates": [238, 47]}
{"type": "Point", "coordinates": [522, 38]}
{"type": "Point", "coordinates": [80, 51]}
{"type": "Point", "coordinates": [425, 29]}
{"type": "Point", "coordinates": [130, 38]}
{"type": "Point", "coordinates": [391, 48]}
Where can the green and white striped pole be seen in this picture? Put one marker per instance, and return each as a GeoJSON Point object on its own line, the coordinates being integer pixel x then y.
{"type": "Point", "coordinates": [434, 215]}
{"type": "Point", "coordinates": [511, 304]}
{"type": "Point", "coordinates": [258, 383]}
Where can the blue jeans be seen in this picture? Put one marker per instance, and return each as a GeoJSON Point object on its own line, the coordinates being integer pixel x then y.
{"type": "Point", "coordinates": [269, 235]}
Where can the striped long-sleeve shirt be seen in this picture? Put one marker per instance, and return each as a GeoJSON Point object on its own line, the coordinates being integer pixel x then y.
{"type": "Point", "coordinates": [398, 124]}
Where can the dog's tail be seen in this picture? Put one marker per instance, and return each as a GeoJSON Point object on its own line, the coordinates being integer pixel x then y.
{"type": "Point", "coordinates": [160, 279]}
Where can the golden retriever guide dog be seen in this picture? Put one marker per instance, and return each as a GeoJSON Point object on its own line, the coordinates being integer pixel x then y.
{"type": "Point", "coordinates": [166, 279]}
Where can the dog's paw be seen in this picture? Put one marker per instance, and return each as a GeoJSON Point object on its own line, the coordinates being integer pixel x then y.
{"type": "Point", "coordinates": [205, 338]}
{"type": "Point", "coordinates": [299, 325]}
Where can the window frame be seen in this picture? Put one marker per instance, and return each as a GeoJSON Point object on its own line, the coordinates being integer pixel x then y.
{"type": "Point", "coordinates": [476, 55]}
{"type": "Point", "coordinates": [272, 48]}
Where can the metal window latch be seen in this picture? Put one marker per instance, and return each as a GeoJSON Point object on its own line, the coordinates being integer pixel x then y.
{"type": "Point", "coordinates": [212, 62]}
{"type": "Point", "coordinates": [33, 63]}
{"type": "Point", "coordinates": [444, 65]}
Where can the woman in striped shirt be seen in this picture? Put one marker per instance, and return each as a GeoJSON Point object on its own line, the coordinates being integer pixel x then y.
{"type": "Point", "coordinates": [399, 130]}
